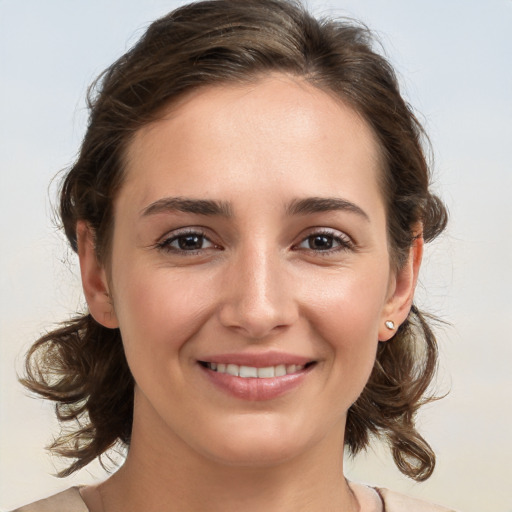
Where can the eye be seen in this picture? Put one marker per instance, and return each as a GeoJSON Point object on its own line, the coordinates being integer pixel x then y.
{"type": "Point", "coordinates": [326, 241]}
{"type": "Point", "coordinates": [186, 242]}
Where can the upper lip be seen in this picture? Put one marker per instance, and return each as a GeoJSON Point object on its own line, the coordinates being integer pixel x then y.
{"type": "Point", "coordinates": [260, 360]}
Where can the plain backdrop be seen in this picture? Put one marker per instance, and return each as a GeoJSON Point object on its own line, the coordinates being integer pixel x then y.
{"type": "Point", "coordinates": [454, 59]}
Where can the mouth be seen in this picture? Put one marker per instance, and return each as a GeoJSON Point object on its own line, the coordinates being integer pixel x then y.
{"type": "Point", "coordinates": [256, 377]}
{"type": "Point", "coordinates": [253, 372]}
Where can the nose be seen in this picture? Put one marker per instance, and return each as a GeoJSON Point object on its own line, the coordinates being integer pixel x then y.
{"type": "Point", "coordinates": [258, 297]}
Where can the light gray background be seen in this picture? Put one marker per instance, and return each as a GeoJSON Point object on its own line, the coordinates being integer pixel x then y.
{"type": "Point", "coordinates": [454, 57]}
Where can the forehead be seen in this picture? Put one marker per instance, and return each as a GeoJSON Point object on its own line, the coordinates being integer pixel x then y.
{"type": "Point", "coordinates": [276, 127]}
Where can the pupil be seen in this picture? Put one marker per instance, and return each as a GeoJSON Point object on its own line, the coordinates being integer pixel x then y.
{"type": "Point", "coordinates": [321, 242]}
{"type": "Point", "coordinates": [190, 242]}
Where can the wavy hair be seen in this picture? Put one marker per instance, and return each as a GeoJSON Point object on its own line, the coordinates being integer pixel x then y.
{"type": "Point", "coordinates": [81, 366]}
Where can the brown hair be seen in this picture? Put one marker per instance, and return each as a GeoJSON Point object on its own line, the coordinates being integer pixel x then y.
{"type": "Point", "coordinates": [82, 366]}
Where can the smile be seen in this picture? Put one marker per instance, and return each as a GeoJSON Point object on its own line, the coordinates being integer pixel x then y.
{"type": "Point", "coordinates": [274, 375]}
{"type": "Point", "coordinates": [251, 372]}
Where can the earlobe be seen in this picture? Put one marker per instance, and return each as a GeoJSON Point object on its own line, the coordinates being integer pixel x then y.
{"type": "Point", "coordinates": [400, 300]}
{"type": "Point", "coordinates": [94, 278]}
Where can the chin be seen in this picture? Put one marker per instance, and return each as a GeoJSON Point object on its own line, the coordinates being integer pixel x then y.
{"type": "Point", "coordinates": [259, 445]}
{"type": "Point", "coordinates": [256, 454]}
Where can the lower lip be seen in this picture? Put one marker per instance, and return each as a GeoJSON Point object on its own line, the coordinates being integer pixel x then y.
{"type": "Point", "coordinates": [254, 389]}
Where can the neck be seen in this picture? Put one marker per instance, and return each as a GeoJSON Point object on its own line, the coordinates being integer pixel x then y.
{"type": "Point", "coordinates": [168, 476]}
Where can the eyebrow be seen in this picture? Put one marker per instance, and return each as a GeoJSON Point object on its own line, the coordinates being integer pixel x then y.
{"type": "Point", "coordinates": [186, 205]}
{"type": "Point", "coordinates": [324, 204]}
{"type": "Point", "coordinates": [210, 207]}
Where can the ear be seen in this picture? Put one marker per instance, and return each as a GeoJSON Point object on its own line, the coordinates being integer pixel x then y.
{"type": "Point", "coordinates": [94, 278]}
{"type": "Point", "coordinates": [401, 291]}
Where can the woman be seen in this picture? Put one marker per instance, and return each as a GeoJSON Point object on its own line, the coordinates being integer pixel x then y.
{"type": "Point", "coordinates": [249, 208]}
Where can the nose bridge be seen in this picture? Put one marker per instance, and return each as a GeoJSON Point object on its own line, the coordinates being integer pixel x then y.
{"type": "Point", "coordinates": [259, 298]}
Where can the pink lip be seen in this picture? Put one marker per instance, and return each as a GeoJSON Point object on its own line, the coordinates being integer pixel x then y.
{"type": "Point", "coordinates": [254, 389]}
{"type": "Point", "coordinates": [258, 360]}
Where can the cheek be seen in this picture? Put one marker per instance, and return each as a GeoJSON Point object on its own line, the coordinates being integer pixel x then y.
{"type": "Point", "coordinates": [349, 303]}
{"type": "Point", "coordinates": [158, 309]}
{"type": "Point", "coordinates": [347, 316]}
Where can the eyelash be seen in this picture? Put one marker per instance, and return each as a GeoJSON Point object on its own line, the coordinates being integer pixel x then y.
{"type": "Point", "coordinates": [165, 245]}
{"type": "Point", "coordinates": [344, 243]}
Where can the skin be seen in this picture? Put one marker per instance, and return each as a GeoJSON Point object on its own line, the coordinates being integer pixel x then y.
{"type": "Point", "coordinates": [257, 281]}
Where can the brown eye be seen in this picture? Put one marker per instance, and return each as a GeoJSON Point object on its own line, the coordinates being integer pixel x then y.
{"type": "Point", "coordinates": [320, 242]}
{"type": "Point", "coordinates": [326, 242]}
{"type": "Point", "coordinates": [190, 242]}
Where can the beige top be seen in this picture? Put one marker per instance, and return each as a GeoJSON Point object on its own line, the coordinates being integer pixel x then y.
{"type": "Point", "coordinates": [370, 499]}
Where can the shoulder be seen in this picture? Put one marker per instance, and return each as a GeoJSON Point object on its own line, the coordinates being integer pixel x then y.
{"type": "Point", "coordinates": [396, 502]}
{"type": "Point", "coordinates": [66, 501]}
{"type": "Point", "coordinates": [378, 499]}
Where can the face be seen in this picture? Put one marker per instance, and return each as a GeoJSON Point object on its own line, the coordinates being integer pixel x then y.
{"type": "Point", "coordinates": [250, 274]}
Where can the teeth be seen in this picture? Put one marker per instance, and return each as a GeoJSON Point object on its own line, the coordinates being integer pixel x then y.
{"type": "Point", "coordinates": [252, 372]}
{"type": "Point", "coordinates": [280, 370]}
{"type": "Point", "coordinates": [266, 373]}
{"type": "Point", "coordinates": [248, 371]}
{"type": "Point", "coordinates": [232, 369]}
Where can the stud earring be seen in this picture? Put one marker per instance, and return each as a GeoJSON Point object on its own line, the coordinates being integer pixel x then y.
{"type": "Point", "coordinates": [390, 325]}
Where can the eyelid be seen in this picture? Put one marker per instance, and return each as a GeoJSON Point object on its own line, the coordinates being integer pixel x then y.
{"type": "Point", "coordinates": [345, 242]}
{"type": "Point", "coordinates": [164, 243]}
